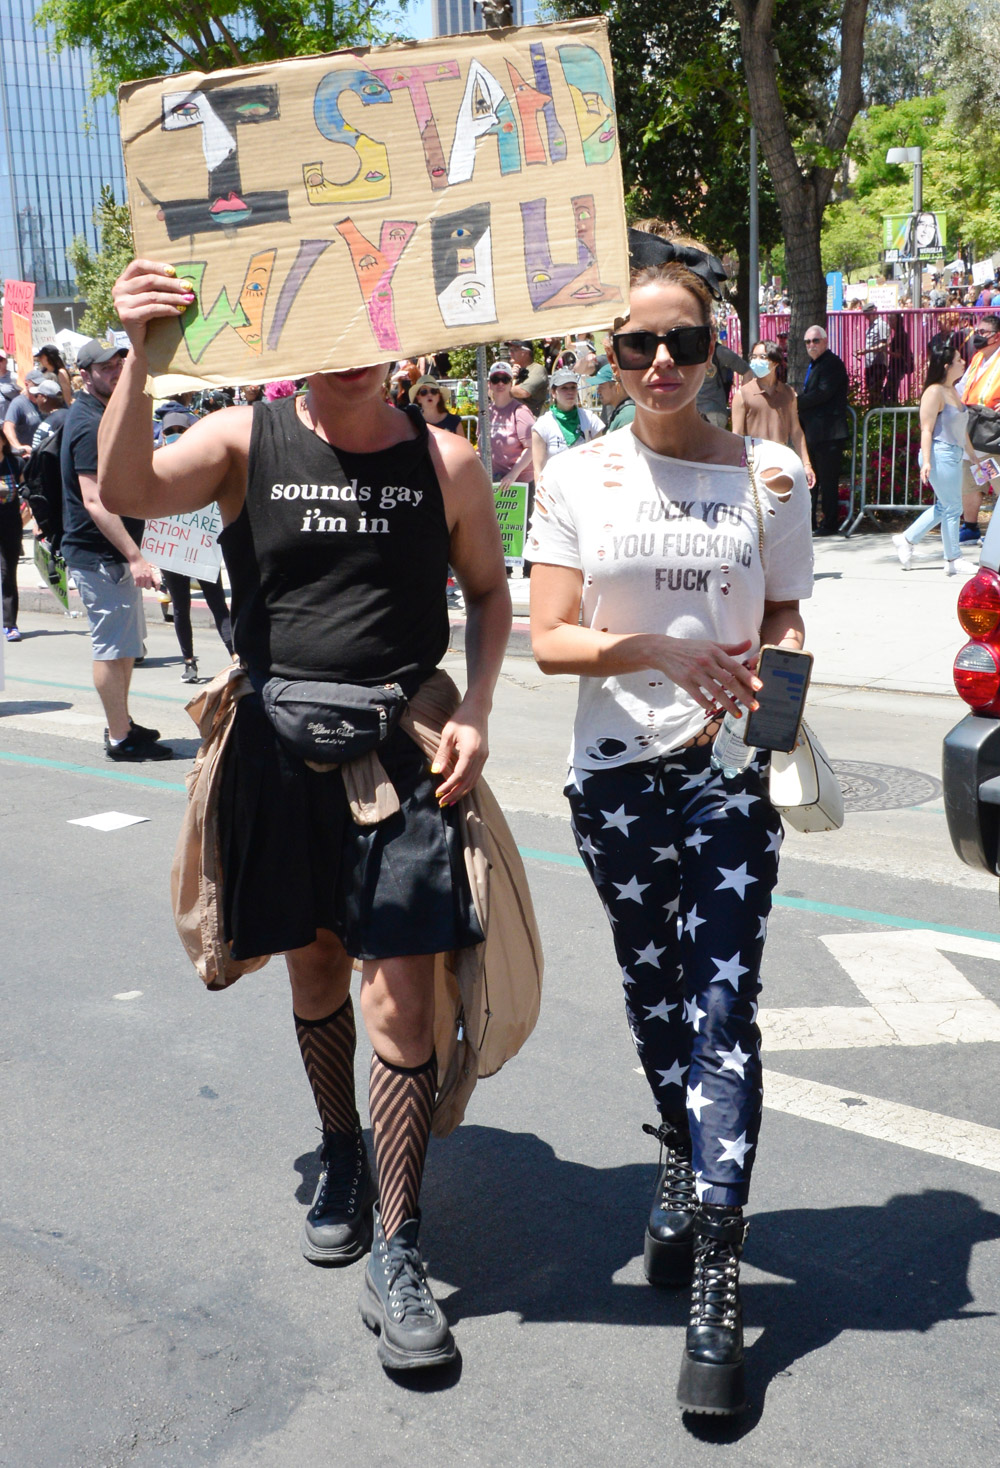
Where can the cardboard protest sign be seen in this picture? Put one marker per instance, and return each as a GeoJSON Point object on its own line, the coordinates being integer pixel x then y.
{"type": "Point", "coordinates": [188, 544]}
{"type": "Point", "coordinates": [334, 211]}
{"type": "Point", "coordinates": [43, 329]}
{"type": "Point", "coordinates": [19, 296]}
{"type": "Point", "coordinates": [512, 517]}
{"type": "Point", "coordinates": [23, 350]}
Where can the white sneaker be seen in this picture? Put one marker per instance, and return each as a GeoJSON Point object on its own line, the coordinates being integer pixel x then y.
{"type": "Point", "coordinates": [960, 566]}
{"type": "Point", "coordinates": [904, 550]}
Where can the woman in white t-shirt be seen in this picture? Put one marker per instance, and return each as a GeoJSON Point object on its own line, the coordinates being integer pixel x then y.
{"type": "Point", "coordinates": [565, 424]}
{"type": "Point", "coordinates": [663, 559]}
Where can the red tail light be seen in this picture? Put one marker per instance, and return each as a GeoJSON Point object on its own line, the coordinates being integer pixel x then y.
{"type": "Point", "coordinates": [977, 667]}
{"type": "Point", "coordinates": [979, 604]}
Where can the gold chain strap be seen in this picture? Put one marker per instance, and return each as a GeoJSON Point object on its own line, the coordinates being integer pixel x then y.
{"type": "Point", "coordinates": [756, 499]}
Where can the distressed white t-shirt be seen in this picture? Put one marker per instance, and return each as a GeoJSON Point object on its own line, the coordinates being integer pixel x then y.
{"type": "Point", "coordinates": [671, 547]}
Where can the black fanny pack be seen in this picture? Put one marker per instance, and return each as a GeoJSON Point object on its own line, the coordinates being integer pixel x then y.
{"type": "Point", "coordinates": [984, 429]}
{"type": "Point", "coordinates": [332, 723]}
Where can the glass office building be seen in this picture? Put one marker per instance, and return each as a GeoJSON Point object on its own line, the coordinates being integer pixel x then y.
{"type": "Point", "coordinates": [453, 17]}
{"type": "Point", "coordinates": [58, 148]}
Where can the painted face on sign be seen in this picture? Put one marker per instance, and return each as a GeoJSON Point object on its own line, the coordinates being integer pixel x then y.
{"type": "Point", "coordinates": [220, 114]}
{"type": "Point", "coordinates": [462, 255]}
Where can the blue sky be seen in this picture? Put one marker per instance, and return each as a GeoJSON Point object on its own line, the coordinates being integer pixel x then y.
{"type": "Point", "coordinates": [417, 19]}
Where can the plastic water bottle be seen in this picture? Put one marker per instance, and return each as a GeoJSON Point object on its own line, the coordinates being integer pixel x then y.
{"type": "Point", "coordinates": [730, 752]}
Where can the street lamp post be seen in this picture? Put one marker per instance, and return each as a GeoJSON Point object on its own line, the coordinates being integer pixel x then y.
{"type": "Point", "coordinates": [916, 157]}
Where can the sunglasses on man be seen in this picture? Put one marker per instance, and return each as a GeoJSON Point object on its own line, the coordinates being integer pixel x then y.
{"type": "Point", "coordinates": [636, 350]}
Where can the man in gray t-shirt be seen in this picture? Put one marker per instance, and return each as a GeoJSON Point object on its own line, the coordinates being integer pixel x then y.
{"type": "Point", "coordinates": [531, 383]}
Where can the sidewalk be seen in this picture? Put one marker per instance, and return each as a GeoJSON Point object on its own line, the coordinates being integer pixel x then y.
{"type": "Point", "coordinates": [870, 624]}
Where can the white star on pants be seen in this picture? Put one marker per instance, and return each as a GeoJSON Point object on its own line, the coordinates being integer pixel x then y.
{"type": "Point", "coordinates": [588, 846]}
{"type": "Point", "coordinates": [741, 801]}
{"type": "Point", "coordinates": [664, 853]}
{"type": "Point", "coordinates": [693, 922]}
{"type": "Point", "coordinates": [734, 1151]}
{"type": "Point", "coordinates": [675, 1075]}
{"type": "Point", "coordinates": [692, 1014]}
{"type": "Point", "coordinates": [730, 970]}
{"type": "Point", "coordinates": [658, 1011]}
{"type": "Point", "coordinates": [697, 840]}
{"type": "Point", "coordinates": [650, 954]}
{"type": "Point", "coordinates": [734, 1059]}
{"type": "Point", "coordinates": [618, 819]}
{"type": "Point", "coordinates": [737, 878]}
{"type": "Point", "coordinates": [696, 1101]}
{"type": "Point", "coordinates": [775, 839]}
{"type": "Point", "coordinates": [631, 891]}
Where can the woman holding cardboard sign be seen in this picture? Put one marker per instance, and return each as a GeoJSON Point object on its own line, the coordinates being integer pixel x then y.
{"type": "Point", "coordinates": [340, 517]}
{"type": "Point", "coordinates": [664, 555]}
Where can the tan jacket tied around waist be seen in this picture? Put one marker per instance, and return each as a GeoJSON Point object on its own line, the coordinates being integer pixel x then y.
{"type": "Point", "coordinates": [486, 998]}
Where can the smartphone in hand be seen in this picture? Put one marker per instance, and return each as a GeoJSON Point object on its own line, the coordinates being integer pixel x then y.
{"type": "Point", "coordinates": [785, 674]}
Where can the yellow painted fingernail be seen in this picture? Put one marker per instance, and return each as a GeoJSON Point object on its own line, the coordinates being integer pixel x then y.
{"type": "Point", "coordinates": [435, 769]}
{"type": "Point", "coordinates": [169, 270]}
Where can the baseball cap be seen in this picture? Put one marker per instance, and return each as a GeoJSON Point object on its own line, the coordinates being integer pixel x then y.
{"type": "Point", "coordinates": [36, 375]}
{"type": "Point", "coordinates": [564, 378]}
{"type": "Point", "coordinates": [98, 351]}
{"type": "Point", "coordinates": [501, 367]}
{"type": "Point", "coordinates": [177, 420]}
{"type": "Point", "coordinates": [869, 306]}
{"type": "Point", "coordinates": [48, 388]}
{"type": "Point", "coordinates": [513, 341]}
{"type": "Point", "coordinates": [603, 374]}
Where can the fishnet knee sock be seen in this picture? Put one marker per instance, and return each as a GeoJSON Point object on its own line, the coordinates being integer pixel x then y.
{"type": "Point", "coordinates": [327, 1047]}
{"type": "Point", "coordinates": [400, 1102]}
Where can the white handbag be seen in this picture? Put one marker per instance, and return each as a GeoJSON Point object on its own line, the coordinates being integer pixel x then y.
{"type": "Point", "coordinates": [804, 785]}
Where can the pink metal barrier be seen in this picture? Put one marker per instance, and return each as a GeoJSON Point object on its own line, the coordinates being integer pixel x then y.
{"type": "Point", "coordinates": [899, 379]}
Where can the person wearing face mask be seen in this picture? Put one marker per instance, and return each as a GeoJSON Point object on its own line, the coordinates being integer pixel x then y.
{"type": "Point", "coordinates": [979, 390]}
{"type": "Point", "coordinates": [765, 407]}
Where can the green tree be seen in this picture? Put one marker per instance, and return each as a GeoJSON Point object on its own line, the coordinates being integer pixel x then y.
{"type": "Point", "coordinates": [904, 56]}
{"type": "Point", "coordinates": [802, 167]}
{"type": "Point", "coordinates": [136, 38]}
{"type": "Point", "coordinates": [97, 273]}
{"type": "Point", "coordinates": [961, 168]}
{"type": "Point", "coordinates": [851, 238]}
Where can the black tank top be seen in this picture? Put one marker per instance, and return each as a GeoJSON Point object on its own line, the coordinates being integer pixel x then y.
{"type": "Point", "coordinates": [338, 561]}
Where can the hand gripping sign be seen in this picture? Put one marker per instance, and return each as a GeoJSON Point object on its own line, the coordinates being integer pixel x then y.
{"type": "Point", "coordinates": [334, 211]}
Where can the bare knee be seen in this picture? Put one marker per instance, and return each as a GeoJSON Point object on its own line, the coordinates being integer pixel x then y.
{"type": "Point", "coordinates": [397, 1002]}
{"type": "Point", "coordinates": [320, 975]}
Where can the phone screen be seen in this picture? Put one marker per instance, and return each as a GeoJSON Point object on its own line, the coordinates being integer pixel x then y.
{"type": "Point", "coordinates": [785, 676]}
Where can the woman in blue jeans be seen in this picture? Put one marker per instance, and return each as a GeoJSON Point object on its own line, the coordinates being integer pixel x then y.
{"type": "Point", "coordinates": [944, 443]}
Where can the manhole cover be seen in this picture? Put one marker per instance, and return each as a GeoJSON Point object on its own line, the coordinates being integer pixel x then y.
{"type": "Point", "coordinates": [883, 787]}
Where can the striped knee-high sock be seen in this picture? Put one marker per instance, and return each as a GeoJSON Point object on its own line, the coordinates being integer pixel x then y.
{"type": "Point", "coordinates": [328, 1047]}
{"type": "Point", "coordinates": [401, 1101]}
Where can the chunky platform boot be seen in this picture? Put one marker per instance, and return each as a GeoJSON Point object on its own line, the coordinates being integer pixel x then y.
{"type": "Point", "coordinates": [396, 1302]}
{"type": "Point", "coordinates": [711, 1377]}
{"type": "Point", "coordinates": [338, 1226]}
{"type": "Point", "coordinates": [668, 1253]}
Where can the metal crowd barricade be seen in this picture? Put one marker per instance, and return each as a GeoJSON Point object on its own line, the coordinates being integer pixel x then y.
{"type": "Point", "coordinates": [853, 494]}
{"type": "Point", "coordinates": [890, 478]}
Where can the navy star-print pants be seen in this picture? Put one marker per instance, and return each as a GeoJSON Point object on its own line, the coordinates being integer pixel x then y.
{"type": "Point", "coordinates": [685, 862]}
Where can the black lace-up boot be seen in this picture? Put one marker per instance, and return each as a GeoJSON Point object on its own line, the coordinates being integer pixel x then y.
{"type": "Point", "coordinates": [338, 1226]}
{"type": "Point", "coordinates": [668, 1255]}
{"type": "Point", "coordinates": [712, 1369]}
{"type": "Point", "coordinates": [397, 1304]}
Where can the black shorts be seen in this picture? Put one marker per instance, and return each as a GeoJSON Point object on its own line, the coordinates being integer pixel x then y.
{"type": "Point", "coordinates": [293, 859]}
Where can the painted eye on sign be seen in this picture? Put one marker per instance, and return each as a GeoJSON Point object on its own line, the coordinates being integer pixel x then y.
{"type": "Point", "coordinates": [330, 212]}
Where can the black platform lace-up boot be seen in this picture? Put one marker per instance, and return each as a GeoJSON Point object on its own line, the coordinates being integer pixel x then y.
{"type": "Point", "coordinates": [338, 1226]}
{"type": "Point", "coordinates": [396, 1302]}
{"type": "Point", "coordinates": [711, 1377]}
{"type": "Point", "coordinates": [668, 1254]}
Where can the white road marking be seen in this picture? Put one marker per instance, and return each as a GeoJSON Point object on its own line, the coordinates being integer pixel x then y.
{"type": "Point", "coordinates": [884, 1121]}
{"type": "Point", "coordinates": [128, 994]}
{"type": "Point", "coordinates": [108, 820]}
{"type": "Point", "coordinates": [916, 996]}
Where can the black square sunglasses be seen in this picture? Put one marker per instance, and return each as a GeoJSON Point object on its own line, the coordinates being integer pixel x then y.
{"type": "Point", "coordinates": [636, 350]}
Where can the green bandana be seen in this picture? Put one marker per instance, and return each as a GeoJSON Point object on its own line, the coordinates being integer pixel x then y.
{"type": "Point", "coordinates": [569, 424]}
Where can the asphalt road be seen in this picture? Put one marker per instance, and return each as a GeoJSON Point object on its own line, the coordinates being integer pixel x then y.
{"type": "Point", "coordinates": [159, 1144]}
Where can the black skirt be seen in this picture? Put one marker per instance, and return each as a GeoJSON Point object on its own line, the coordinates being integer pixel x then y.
{"type": "Point", "coordinates": [293, 860]}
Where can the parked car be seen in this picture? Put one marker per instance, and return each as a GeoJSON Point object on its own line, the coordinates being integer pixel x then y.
{"type": "Point", "coordinates": [971, 762]}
